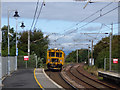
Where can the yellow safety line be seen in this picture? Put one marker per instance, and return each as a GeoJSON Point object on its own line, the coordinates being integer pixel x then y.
{"type": "Point", "coordinates": [36, 79]}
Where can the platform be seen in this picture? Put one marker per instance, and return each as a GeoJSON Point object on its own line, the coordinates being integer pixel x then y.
{"type": "Point", "coordinates": [110, 75]}
{"type": "Point", "coordinates": [22, 79]}
{"type": "Point", "coordinates": [30, 79]}
{"type": "Point", "coordinates": [44, 81]}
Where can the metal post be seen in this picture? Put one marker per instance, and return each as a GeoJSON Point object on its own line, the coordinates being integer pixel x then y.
{"type": "Point", "coordinates": [92, 53]}
{"type": "Point", "coordinates": [77, 56]}
{"type": "Point", "coordinates": [110, 50]}
{"type": "Point", "coordinates": [0, 49]}
{"type": "Point", "coordinates": [104, 64]}
{"type": "Point", "coordinates": [8, 47]}
{"type": "Point", "coordinates": [28, 46]}
{"type": "Point", "coordinates": [16, 47]}
{"type": "Point", "coordinates": [88, 55]}
{"type": "Point", "coordinates": [36, 60]}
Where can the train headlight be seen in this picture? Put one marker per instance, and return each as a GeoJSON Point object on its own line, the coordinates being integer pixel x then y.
{"type": "Point", "coordinates": [60, 60]}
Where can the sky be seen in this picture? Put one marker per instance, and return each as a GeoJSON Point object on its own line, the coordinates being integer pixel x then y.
{"type": "Point", "coordinates": [64, 21]}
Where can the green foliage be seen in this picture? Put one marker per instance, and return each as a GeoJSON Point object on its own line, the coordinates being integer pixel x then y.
{"type": "Point", "coordinates": [5, 41]}
{"type": "Point", "coordinates": [82, 56]}
{"type": "Point", "coordinates": [38, 43]}
{"type": "Point", "coordinates": [101, 50]}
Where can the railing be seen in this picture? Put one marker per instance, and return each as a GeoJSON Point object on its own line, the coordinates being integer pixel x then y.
{"type": "Point", "coordinates": [31, 63]}
{"type": "Point", "coordinates": [5, 65]}
{"type": "Point", "coordinates": [21, 64]}
{"type": "Point", "coordinates": [115, 67]}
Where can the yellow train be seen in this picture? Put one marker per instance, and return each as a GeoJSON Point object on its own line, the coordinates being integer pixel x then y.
{"type": "Point", "coordinates": [55, 59]}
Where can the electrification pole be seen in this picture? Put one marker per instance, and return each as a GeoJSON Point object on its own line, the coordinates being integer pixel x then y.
{"type": "Point", "coordinates": [77, 56]}
{"type": "Point", "coordinates": [88, 55]}
{"type": "Point", "coordinates": [110, 47]}
{"type": "Point", "coordinates": [92, 53]}
{"type": "Point", "coordinates": [28, 46]}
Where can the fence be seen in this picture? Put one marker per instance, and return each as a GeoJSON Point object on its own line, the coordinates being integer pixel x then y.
{"type": "Point", "coordinates": [5, 65]}
{"type": "Point", "coordinates": [115, 67]}
{"type": "Point", "coordinates": [31, 63]}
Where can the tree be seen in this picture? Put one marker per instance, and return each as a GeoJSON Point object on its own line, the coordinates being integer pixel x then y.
{"type": "Point", "coordinates": [101, 50]}
{"type": "Point", "coordinates": [82, 56]}
{"type": "Point", "coordinates": [38, 43]}
{"type": "Point", "coordinates": [5, 41]}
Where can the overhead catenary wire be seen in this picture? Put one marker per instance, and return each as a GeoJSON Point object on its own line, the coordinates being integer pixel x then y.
{"type": "Point", "coordinates": [43, 4]}
{"type": "Point", "coordinates": [89, 16]}
{"type": "Point", "coordinates": [84, 19]}
{"type": "Point", "coordinates": [93, 20]}
{"type": "Point", "coordinates": [35, 14]}
{"type": "Point", "coordinates": [81, 20]}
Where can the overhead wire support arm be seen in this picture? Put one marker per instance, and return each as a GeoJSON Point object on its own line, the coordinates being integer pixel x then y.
{"type": "Point", "coordinates": [94, 33]}
{"type": "Point", "coordinates": [96, 17]}
{"type": "Point", "coordinates": [99, 17]}
{"type": "Point", "coordinates": [92, 14]}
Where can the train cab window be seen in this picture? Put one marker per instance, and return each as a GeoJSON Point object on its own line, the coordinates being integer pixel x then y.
{"type": "Point", "coordinates": [49, 54]}
{"type": "Point", "coordinates": [57, 54]}
{"type": "Point", "coordinates": [52, 54]}
{"type": "Point", "coordinates": [54, 60]}
{"type": "Point", "coordinates": [60, 54]}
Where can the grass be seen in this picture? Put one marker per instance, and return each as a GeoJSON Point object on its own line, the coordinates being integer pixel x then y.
{"type": "Point", "coordinates": [93, 70]}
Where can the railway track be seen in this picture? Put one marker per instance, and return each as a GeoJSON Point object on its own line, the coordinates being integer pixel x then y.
{"type": "Point", "coordinates": [97, 81]}
{"type": "Point", "coordinates": [58, 78]}
{"type": "Point", "coordinates": [74, 73]}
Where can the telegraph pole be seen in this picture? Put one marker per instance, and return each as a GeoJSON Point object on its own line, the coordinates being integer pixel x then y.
{"type": "Point", "coordinates": [110, 46]}
{"type": "Point", "coordinates": [0, 49]}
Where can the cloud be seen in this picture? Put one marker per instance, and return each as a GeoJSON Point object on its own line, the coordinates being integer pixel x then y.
{"type": "Point", "coordinates": [74, 41]}
{"type": "Point", "coordinates": [69, 11]}
{"type": "Point", "coordinates": [61, 0]}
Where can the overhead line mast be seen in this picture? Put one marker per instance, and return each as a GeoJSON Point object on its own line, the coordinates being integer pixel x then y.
{"type": "Point", "coordinates": [93, 20]}
{"type": "Point", "coordinates": [92, 14]}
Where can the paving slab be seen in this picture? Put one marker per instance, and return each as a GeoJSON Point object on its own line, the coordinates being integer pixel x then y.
{"type": "Point", "coordinates": [45, 81]}
{"type": "Point", "coordinates": [117, 75]}
{"type": "Point", "coordinates": [22, 78]}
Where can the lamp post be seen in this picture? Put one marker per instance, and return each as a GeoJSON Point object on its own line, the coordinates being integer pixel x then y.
{"type": "Point", "coordinates": [16, 16]}
{"type": "Point", "coordinates": [8, 12]}
{"type": "Point", "coordinates": [22, 26]}
{"type": "Point", "coordinates": [8, 45]}
{"type": "Point", "coordinates": [0, 49]}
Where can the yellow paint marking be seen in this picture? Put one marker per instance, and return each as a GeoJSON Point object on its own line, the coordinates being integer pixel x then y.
{"type": "Point", "coordinates": [36, 79]}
